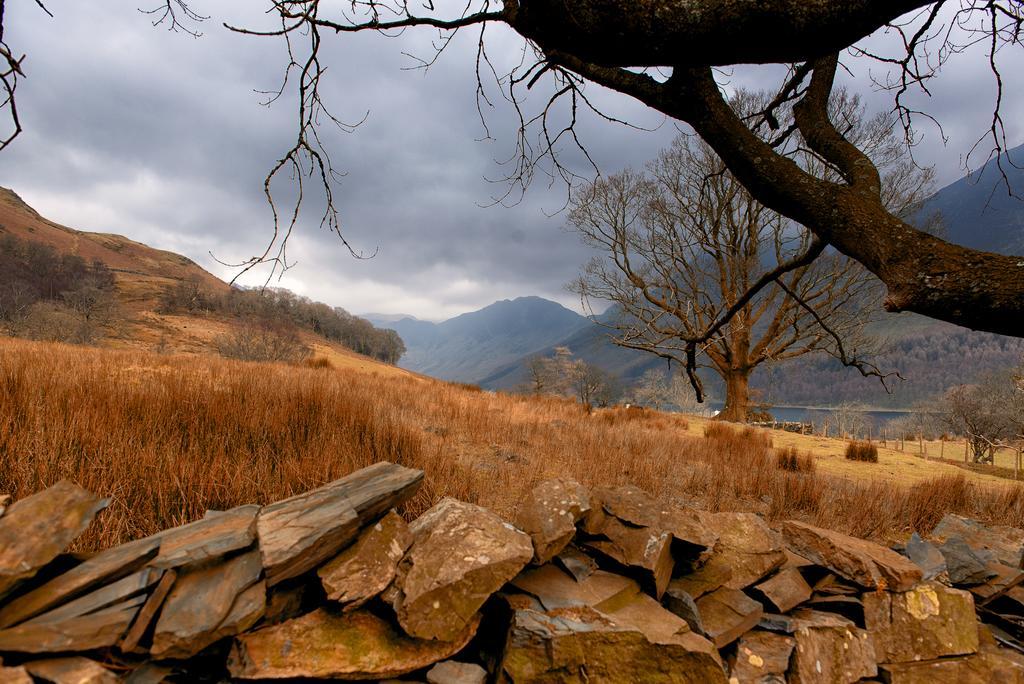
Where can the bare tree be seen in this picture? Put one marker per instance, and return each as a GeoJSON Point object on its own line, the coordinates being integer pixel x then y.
{"type": "Point", "coordinates": [664, 55]}
{"type": "Point", "coordinates": [683, 243]}
{"type": "Point", "coordinates": [980, 413]}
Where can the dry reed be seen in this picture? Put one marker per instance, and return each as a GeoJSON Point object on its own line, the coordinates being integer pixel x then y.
{"type": "Point", "coordinates": [865, 452]}
{"type": "Point", "coordinates": [168, 436]}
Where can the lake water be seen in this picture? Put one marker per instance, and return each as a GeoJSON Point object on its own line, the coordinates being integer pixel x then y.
{"type": "Point", "coordinates": [810, 414]}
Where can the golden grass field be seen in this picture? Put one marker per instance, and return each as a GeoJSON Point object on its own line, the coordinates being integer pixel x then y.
{"type": "Point", "coordinates": [169, 436]}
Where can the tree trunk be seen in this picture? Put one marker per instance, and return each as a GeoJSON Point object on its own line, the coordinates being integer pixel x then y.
{"type": "Point", "coordinates": [737, 396]}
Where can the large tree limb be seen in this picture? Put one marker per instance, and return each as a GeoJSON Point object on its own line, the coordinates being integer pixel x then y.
{"type": "Point", "coordinates": [923, 274]}
{"type": "Point", "coordinates": [711, 32]}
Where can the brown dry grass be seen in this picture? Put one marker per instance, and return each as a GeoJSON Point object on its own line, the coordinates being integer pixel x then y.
{"type": "Point", "coordinates": [169, 436]}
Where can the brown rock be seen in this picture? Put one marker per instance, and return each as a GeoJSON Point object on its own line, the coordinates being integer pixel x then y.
{"type": "Point", "coordinates": [579, 644]}
{"type": "Point", "coordinates": [829, 649]}
{"type": "Point", "coordinates": [786, 589]}
{"type": "Point", "coordinates": [929, 621]}
{"type": "Point", "coordinates": [863, 562]}
{"type": "Point", "coordinates": [15, 675]}
{"type": "Point", "coordinates": [704, 580]}
{"type": "Point", "coordinates": [5, 501]}
{"type": "Point", "coordinates": [149, 673]}
{"type": "Point", "coordinates": [207, 540]}
{"type": "Point", "coordinates": [849, 607]}
{"type": "Point", "coordinates": [727, 614]}
{"type": "Point", "coordinates": [637, 507]}
{"type": "Point", "coordinates": [762, 658]}
{"type": "Point", "coordinates": [322, 644]}
{"type": "Point", "coordinates": [1004, 578]}
{"type": "Point", "coordinates": [367, 567]}
{"type": "Point", "coordinates": [101, 629]}
{"type": "Point", "coordinates": [682, 605]}
{"type": "Point", "coordinates": [37, 528]}
{"type": "Point", "coordinates": [198, 604]}
{"type": "Point", "coordinates": [576, 563]}
{"type": "Point", "coordinates": [549, 515]}
{"type": "Point", "coordinates": [104, 597]}
{"type": "Point", "coordinates": [661, 626]}
{"type": "Point", "coordinates": [75, 670]}
{"type": "Point", "coordinates": [130, 641]}
{"type": "Point", "coordinates": [647, 548]}
{"type": "Point", "coordinates": [746, 546]}
{"type": "Point", "coordinates": [452, 672]}
{"type": "Point", "coordinates": [286, 601]}
{"type": "Point", "coordinates": [461, 554]}
{"type": "Point", "coordinates": [104, 567]}
{"type": "Point", "coordinates": [1007, 543]}
{"type": "Point", "coordinates": [302, 532]}
{"type": "Point", "coordinates": [603, 591]}
{"type": "Point", "coordinates": [990, 665]}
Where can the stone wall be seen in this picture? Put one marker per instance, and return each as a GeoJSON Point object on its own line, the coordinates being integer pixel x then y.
{"type": "Point", "coordinates": [608, 585]}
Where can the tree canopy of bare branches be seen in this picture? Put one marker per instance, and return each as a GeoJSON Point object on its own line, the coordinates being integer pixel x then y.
{"type": "Point", "coordinates": [664, 54]}
{"type": "Point", "coordinates": [703, 274]}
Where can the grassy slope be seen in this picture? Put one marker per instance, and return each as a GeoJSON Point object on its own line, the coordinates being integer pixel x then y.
{"type": "Point", "coordinates": [169, 436]}
{"type": "Point", "coordinates": [142, 274]}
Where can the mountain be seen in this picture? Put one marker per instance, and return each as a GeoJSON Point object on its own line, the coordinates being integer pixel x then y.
{"type": "Point", "coordinates": [590, 343]}
{"type": "Point", "coordinates": [979, 212]}
{"type": "Point", "coordinates": [477, 344]}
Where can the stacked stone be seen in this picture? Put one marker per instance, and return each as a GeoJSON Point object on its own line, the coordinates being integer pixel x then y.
{"type": "Point", "coordinates": [588, 586]}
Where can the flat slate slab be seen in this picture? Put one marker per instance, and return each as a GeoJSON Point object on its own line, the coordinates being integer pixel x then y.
{"type": "Point", "coordinates": [727, 614]}
{"type": "Point", "coordinates": [601, 590]}
{"type": "Point", "coordinates": [199, 602]}
{"type": "Point", "coordinates": [648, 549]}
{"type": "Point", "coordinates": [116, 592]}
{"type": "Point", "coordinates": [105, 566]}
{"type": "Point", "coordinates": [368, 566]}
{"type": "Point", "coordinates": [73, 670]}
{"type": "Point", "coordinates": [1007, 543]}
{"type": "Point", "coordinates": [327, 644]}
{"type": "Point", "coordinates": [747, 549]}
{"type": "Point", "coordinates": [205, 541]}
{"type": "Point", "coordinates": [34, 530]}
{"type": "Point", "coordinates": [302, 532]}
{"type": "Point", "coordinates": [862, 562]}
{"type": "Point", "coordinates": [102, 629]}
{"type": "Point", "coordinates": [785, 589]}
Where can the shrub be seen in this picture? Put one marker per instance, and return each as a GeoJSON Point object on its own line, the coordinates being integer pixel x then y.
{"type": "Point", "coordinates": [255, 343]}
{"type": "Point", "coordinates": [321, 362]}
{"type": "Point", "coordinates": [792, 460]}
{"type": "Point", "coordinates": [862, 451]}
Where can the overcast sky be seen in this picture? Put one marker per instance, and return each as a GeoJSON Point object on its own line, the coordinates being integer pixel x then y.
{"type": "Point", "coordinates": [155, 135]}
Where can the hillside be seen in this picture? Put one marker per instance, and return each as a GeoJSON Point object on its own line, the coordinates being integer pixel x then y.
{"type": "Point", "coordinates": [54, 275]}
{"type": "Point", "coordinates": [476, 344]}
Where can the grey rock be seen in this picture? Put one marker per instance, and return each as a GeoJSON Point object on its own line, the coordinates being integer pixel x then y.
{"type": "Point", "coordinates": [926, 556]}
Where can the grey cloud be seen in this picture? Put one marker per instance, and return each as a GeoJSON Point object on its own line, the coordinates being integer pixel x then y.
{"type": "Point", "coordinates": [135, 130]}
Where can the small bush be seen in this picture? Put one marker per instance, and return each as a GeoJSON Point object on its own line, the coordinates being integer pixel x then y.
{"type": "Point", "coordinates": [320, 362]}
{"type": "Point", "coordinates": [257, 343]}
{"type": "Point", "coordinates": [862, 451]}
{"type": "Point", "coordinates": [793, 461]}
{"type": "Point", "coordinates": [468, 386]}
